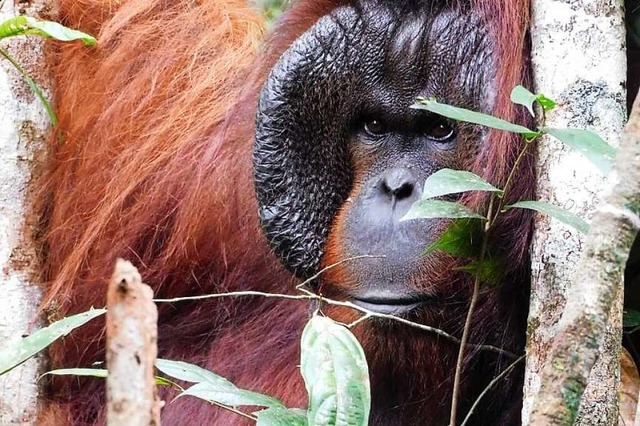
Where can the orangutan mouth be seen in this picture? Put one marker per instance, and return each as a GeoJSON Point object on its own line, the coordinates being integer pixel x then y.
{"type": "Point", "coordinates": [389, 306]}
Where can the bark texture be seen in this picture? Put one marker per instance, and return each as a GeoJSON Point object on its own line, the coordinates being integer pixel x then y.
{"type": "Point", "coordinates": [23, 125]}
{"type": "Point", "coordinates": [593, 300]}
{"type": "Point", "coordinates": [132, 335]}
{"type": "Point", "coordinates": [578, 56]}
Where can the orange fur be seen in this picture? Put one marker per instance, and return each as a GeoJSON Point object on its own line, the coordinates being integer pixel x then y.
{"type": "Point", "coordinates": [155, 166]}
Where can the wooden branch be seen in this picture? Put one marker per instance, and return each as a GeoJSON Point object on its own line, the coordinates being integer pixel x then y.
{"type": "Point", "coordinates": [590, 301]}
{"type": "Point", "coordinates": [132, 335]}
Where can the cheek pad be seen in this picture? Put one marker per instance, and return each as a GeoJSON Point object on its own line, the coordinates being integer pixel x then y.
{"type": "Point", "coordinates": [301, 162]}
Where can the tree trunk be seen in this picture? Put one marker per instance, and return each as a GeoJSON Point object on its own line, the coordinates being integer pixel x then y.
{"type": "Point", "coordinates": [591, 302]}
{"type": "Point", "coordinates": [23, 125]}
{"type": "Point", "coordinates": [578, 57]}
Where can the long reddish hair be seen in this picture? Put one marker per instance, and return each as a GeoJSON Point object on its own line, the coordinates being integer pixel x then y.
{"type": "Point", "coordinates": [155, 167]}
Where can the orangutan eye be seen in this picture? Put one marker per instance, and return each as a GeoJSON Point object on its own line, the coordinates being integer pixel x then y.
{"type": "Point", "coordinates": [440, 132]}
{"type": "Point", "coordinates": [375, 127]}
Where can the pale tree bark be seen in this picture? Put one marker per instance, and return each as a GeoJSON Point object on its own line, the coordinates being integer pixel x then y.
{"type": "Point", "coordinates": [132, 335]}
{"type": "Point", "coordinates": [23, 125]}
{"type": "Point", "coordinates": [578, 57]}
{"type": "Point", "coordinates": [593, 296]}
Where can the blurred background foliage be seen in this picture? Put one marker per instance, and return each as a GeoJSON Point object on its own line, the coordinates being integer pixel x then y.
{"type": "Point", "coordinates": [271, 9]}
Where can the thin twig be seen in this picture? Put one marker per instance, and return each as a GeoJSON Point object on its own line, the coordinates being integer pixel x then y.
{"type": "Point", "coordinates": [34, 87]}
{"type": "Point", "coordinates": [235, 411]}
{"type": "Point", "coordinates": [333, 265]}
{"type": "Point", "coordinates": [489, 386]}
{"type": "Point", "coordinates": [467, 324]}
{"type": "Point", "coordinates": [350, 305]}
{"type": "Point", "coordinates": [358, 321]}
{"type": "Point", "coordinates": [236, 294]}
{"type": "Point", "coordinates": [507, 184]}
{"type": "Point", "coordinates": [527, 144]}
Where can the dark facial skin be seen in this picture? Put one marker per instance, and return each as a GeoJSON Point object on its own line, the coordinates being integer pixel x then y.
{"type": "Point", "coordinates": [339, 159]}
{"type": "Point", "coordinates": [340, 156]}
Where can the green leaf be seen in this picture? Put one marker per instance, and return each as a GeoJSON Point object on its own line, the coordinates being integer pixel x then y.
{"type": "Point", "coordinates": [21, 351]}
{"type": "Point", "coordinates": [521, 96]}
{"type": "Point", "coordinates": [588, 144]}
{"type": "Point", "coordinates": [212, 387]}
{"type": "Point", "coordinates": [555, 212]}
{"type": "Point", "coordinates": [435, 209]}
{"type": "Point", "coordinates": [162, 381]}
{"type": "Point", "coordinates": [448, 181]}
{"type": "Point", "coordinates": [191, 373]}
{"type": "Point", "coordinates": [26, 25]}
{"type": "Point", "coordinates": [230, 396]}
{"type": "Point", "coordinates": [97, 372]}
{"type": "Point", "coordinates": [281, 417]}
{"type": "Point", "coordinates": [460, 239]}
{"type": "Point", "coordinates": [84, 372]}
{"type": "Point", "coordinates": [13, 27]}
{"type": "Point", "coordinates": [630, 318]}
{"type": "Point", "coordinates": [462, 114]}
{"type": "Point", "coordinates": [336, 375]}
{"type": "Point", "coordinates": [490, 271]}
{"type": "Point", "coordinates": [547, 104]}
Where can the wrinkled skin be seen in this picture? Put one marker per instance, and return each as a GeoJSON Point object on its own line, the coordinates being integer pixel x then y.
{"type": "Point", "coordinates": [340, 157]}
{"type": "Point", "coordinates": [157, 167]}
{"type": "Point", "coordinates": [335, 124]}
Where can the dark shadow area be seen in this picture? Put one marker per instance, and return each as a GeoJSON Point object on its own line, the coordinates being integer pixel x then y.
{"type": "Point", "coordinates": [632, 272]}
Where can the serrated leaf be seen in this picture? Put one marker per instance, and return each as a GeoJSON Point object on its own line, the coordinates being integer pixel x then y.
{"type": "Point", "coordinates": [231, 396]}
{"type": "Point", "coordinates": [448, 181]}
{"type": "Point", "coordinates": [631, 318]}
{"type": "Point", "coordinates": [490, 271]}
{"type": "Point", "coordinates": [555, 212]}
{"type": "Point", "coordinates": [460, 239]}
{"type": "Point", "coordinates": [436, 209]}
{"type": "Point", "coordinates": [26, 25]}
{"type": "Point", "coordinates": [281, 417]}
{"type": "Point", "coordinates": [336, 375]}
{"type": "Point", "coordinates": [522, 96]}
{"type": "Point", "coordinates": [19, 352]}
{"type": "Point", "coordinates": [462, 114]}
{"type": "Point", "coordinates": [589, 144]}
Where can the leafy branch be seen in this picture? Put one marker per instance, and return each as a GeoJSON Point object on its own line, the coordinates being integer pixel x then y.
{"type": "Point", "coordinates": [321, 337]}
{"type": "Point", "coordinates": [446, 181]}
{"type": "Point", "coordinates": [26, 25]}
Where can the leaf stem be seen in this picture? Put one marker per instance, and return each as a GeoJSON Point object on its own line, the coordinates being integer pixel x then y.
{"type": "Point", "coordinates": [366, 312]}
{"type": "Point", "coordinates": [503, 196]}
{"type": "Point", "coordinates": [234, 410]}
{"type": "Point", "coordinates": [34, 87]}
{"type": "Point", "coordinates": [467, 325]}
{"type": "Point", "coordinates": [489, 386]}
